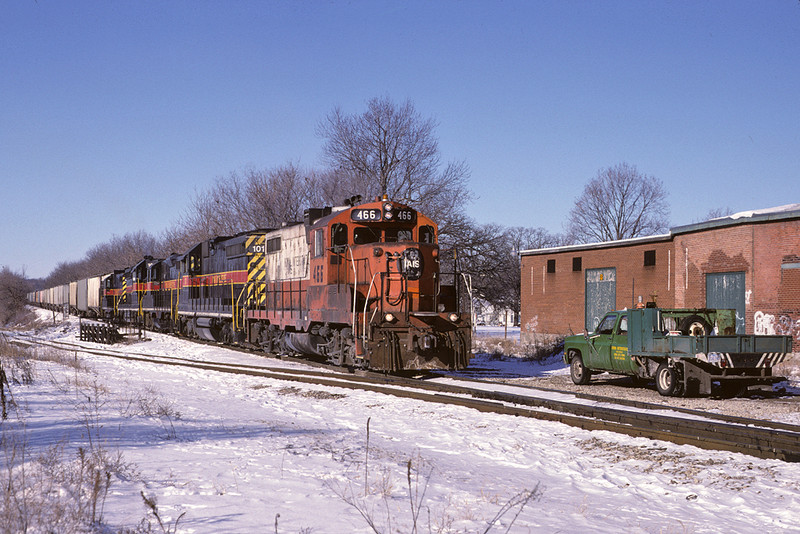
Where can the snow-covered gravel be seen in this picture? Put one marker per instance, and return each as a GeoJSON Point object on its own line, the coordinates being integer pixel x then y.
{"type": "Point", "coordinates": [244, 454]}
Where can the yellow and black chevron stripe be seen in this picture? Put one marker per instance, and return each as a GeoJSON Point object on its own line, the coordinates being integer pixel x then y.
{"type": "Point", "coordinates": [256, 272]}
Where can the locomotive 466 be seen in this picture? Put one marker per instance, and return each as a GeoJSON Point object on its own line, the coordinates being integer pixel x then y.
{"type": "Point", "coordinates": [360, 285]}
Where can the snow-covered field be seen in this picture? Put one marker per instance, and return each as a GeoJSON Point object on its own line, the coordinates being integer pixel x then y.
{"type": "Point", "coordinates": [242, 454]}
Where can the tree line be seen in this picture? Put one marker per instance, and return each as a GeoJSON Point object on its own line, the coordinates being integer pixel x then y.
{"type": "Point", "coordinates": [389, 149]}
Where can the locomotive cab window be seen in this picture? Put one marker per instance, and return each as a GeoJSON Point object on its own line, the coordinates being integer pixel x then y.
{"type": "Point", "coordinates": [397, 235]}
{"type": "Point", "coordinates": [338, 237]}
{"type": "Point", "coordinates": [365, 235]}
{"type": "Point", "coordinates": [426, 234]}
{"type": "Point", "coordinates": [194, 264]}
{"type": "Point", "coordinates": [319, 243]}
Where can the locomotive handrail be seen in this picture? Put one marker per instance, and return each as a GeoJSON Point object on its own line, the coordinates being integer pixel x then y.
{"type": "Point", "coordinates": [468, 286]}
{"type": "Point", "coordinates": [355, 290]}
{"type": "Point", "coordinates": [366, 305]}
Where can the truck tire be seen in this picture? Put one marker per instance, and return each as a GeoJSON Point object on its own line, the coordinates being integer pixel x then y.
{"type": "Point", "coordinates": [694, 325]}
{"type": "Point", "coordinates": [668, 382]}
{"type": "Point", "coordinates": [577, 371]}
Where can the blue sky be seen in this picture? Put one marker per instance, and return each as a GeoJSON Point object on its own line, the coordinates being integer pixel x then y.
{"type": "Point", "coordinates": [113, 113]}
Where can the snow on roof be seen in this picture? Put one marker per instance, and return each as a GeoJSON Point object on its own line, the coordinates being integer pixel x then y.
{"type": "Point", "coordinates": [787, 211]}
{"type": "Point", "coordinates": [765, 211]}
{"type": "Point", "coordinates": [603, 244]}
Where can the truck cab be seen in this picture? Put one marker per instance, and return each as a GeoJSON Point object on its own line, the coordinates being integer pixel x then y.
{"type": "Point", "coordinates": [608, 344]}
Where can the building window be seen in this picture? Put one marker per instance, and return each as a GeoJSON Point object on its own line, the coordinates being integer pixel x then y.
{"type": "Point", "coordinates": [551, 266]}
{"type": "Point", "coordinates": [649, 258]}
{"type": "Point", "coordinates": [576, 264]}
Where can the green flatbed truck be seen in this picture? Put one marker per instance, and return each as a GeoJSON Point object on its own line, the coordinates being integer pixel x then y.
{"type": "Point", "coordinates": [686, 351]}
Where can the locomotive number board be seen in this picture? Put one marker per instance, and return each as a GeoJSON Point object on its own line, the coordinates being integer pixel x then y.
{"type": "Point", "coordinates": [377, 215]}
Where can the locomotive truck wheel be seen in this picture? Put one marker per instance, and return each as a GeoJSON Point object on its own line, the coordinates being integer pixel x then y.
{"type": "Point", "coordinates": [577, 371]}
{"type": "Point", "coordinates": [667, 380]}
{"type": "Point", "coordinates": [694, 325]}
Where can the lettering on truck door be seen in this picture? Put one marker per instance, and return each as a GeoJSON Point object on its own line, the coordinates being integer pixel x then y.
{"type": "Point", "coordinates": [619, 346]}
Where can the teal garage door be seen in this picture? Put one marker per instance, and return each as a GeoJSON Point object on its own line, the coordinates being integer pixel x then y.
{"type": "Point", "coordinates": [726, 290]}
{"type": "Point", "coordinates": [601, 295]}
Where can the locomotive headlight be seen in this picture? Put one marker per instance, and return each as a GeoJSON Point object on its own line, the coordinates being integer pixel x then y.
{"type": "Point", "coordinates": [453, 317]}
{"type": "Point", "coordinates": [387, 211]}
{"type": "Point", "coordinates": [389, 318]}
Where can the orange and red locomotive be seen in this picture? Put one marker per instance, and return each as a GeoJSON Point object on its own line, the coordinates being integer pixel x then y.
{"type": "Point", "coordinates": [360, 285]}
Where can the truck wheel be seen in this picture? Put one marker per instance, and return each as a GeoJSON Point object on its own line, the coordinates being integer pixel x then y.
{"type": "Point", "coordinates": [577, 371]}
{"type": "Point", "coordinates": [694, 325]}
{"type": "Point", "coordinates": [667, 382]}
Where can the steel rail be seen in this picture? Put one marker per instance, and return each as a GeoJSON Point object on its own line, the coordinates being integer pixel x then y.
{"type": "Point", "coordinates": [763, 439]}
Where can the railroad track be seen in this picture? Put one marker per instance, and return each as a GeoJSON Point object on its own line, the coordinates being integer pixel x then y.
{"type": "Point", "coordinates": [763, 439]}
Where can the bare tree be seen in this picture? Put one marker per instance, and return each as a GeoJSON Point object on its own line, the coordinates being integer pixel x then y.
{"type": "Point", "coordinates": [390, 149]}
{"type": "Point", "coordinates": [490, 254]}
{"type": "Point", "coordinates": [248, 200]}
{"type": "Point", "coordinates": [619, 203]}
{"type": "Point", "coordinates": [716, 213]}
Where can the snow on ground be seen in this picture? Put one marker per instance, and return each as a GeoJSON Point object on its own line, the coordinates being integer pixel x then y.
{"type": "Point", "coordinates": [244, 454]}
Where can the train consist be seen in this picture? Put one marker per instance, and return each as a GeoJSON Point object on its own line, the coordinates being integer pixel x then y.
{"type": "Point", "coordinates": [359, 285]}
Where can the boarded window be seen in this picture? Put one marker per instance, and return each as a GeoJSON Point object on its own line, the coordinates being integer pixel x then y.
{"type": "Point", "coordinates": [577, 264]}
{"type": "Point", "coordinates": [274, 244]}
{"type": "Point", "coordinates": [237, 249]}
{"type": "Point", "coordinates": [649, 258]}
{"type": "Point", "coordinates": [551, 266]}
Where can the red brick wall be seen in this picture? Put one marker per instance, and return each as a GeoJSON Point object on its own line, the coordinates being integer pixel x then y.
{"type": "Point", "coordinates": [711, 251]}
{"type": "Point", "coordinates": [775, 303]}
{"type": "Point", "coordinates": [554, 302]}
{"type": "Point", "coordinates": [767, 252]}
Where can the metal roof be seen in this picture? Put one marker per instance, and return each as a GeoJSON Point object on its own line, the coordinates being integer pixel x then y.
{"type": "Point", "coordinates": [778, 213]}
{"type": "Point", "coordinates": [788, 211]}
{"type": "Point", "coordinates": [604, 244]}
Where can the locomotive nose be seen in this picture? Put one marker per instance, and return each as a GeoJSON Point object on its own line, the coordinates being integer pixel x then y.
{"type": "Point", "coordinates": [410, 263]}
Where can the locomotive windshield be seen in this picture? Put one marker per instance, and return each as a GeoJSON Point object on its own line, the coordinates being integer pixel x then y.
{"type": "Point", "coordinates": [364, 235]}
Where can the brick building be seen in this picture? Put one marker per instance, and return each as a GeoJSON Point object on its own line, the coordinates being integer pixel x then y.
{"type": "Point", "coordinates": [749, 261]}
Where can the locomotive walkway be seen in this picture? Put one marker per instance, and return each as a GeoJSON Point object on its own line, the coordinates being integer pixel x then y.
{"type": "Point", "coordinates": [759, 438]}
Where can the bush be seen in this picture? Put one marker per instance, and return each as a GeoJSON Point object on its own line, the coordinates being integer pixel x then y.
{"type": "Point", "coordinates": [535, 349]}
{"type": "Point", "coordinates": [14, 290]}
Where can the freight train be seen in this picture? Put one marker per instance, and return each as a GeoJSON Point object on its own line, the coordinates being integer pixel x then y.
{"type": "Point", "coordinates": [359, 285]}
